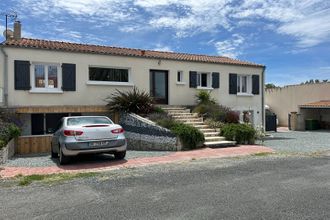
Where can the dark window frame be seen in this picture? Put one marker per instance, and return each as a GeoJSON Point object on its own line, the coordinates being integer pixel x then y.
{"type": "Point", "coordinates": [109, 74]}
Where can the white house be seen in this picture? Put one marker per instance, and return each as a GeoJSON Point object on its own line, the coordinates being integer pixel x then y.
{"type": "Point", "coordinates": [44, 80]}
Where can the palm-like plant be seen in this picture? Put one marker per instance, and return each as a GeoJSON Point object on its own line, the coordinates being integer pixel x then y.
{"type": "Point", "coordinates": [134, 101]}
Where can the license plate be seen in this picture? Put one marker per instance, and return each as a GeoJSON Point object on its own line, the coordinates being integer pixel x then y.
{"type": "Point", "coordinates": [98, 144]}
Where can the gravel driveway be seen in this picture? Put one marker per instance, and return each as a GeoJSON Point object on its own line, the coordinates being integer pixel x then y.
{"type": "Point", "coordinates": [46, 160]}
{"type": "Point", "coordinates": [299, 141]}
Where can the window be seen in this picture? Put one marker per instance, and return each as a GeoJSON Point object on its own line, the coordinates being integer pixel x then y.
{"type": "Point", "coordinates": [46, 77]}
{"type": "Point", "coordinates": [108, 74]}
{"type": "Point", "coordinates": [179, 76]}
{"type": "Point", "coordinates": [244, 84]}
{"type": "Point", "coordinates": [204, 80]}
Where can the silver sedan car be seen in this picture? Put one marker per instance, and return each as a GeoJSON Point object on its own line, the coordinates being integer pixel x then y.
{"type": "Point", "coordinates": [87, 134]}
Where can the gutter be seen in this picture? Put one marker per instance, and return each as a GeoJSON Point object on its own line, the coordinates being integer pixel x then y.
{"type": "Point", "coordinates": [5, 76]}
{"type": "Point", "coordinates": [263, 98]}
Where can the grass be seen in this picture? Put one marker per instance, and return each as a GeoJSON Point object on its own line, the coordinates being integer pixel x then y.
{"type": "Point", "coordinates": [51, 178]}
{"type": "Point", "coordinates": [262, 154]}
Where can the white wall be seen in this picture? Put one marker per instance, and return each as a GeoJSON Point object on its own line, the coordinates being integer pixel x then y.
{"type": "Point", "coordinates": [1, 79]}
{"type": "Point", "coordinates": [282, 101]}
{"type": "Point", "coordinates": [95, 94]}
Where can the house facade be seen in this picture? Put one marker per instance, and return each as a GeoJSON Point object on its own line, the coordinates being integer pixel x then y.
{"type": "Point", "coordinates": [46, 80]}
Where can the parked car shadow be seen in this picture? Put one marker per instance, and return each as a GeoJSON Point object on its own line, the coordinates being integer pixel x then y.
{"type": "Point", "coordinates": [90, 161]}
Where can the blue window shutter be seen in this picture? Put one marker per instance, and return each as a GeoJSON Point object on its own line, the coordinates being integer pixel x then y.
{"type": "Point", "coordinates": [68, 77]}
{"type": "Point", "coordinates": [255, 84]}
{"type": "Point", "coordinates": [215, 80]}
{"type": "Point", "coordinates": [22, 75]}
{"type": "Point", "coordinates": [232, 83]}
{"type": "Point", "coordinates": [193, 79]}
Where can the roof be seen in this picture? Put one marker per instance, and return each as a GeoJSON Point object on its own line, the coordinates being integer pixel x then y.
{"type": "Point", "coordinates": [119, 51]}
{"type": "Point", "coordinates": [319, 104]}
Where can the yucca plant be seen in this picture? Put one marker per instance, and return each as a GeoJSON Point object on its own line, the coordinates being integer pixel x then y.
{"type": "Point", "coordinates": [204, 97]}
{"type": "Point", "coordinates": [134, 101]}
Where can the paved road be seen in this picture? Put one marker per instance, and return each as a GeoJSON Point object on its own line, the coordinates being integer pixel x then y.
{"type": "Point", "coordinates": [299, 141]}
{"type": "Point", "coordinates": [255, 188]}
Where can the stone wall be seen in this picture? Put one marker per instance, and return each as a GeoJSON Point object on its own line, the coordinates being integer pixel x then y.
{"type": "Point", "coordinates": [7, 152]}
{"type": "Point", "coordinates": [143, 134]}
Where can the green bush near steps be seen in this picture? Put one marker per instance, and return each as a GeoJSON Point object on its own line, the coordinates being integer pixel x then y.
{"type": "Point", "coordinates": [241, 133]}
{"type": "Point", "coordinates": [190, 137]}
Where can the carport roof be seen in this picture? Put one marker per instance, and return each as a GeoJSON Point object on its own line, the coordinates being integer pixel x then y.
{"type": "Point", "coordinates": [319, 104]}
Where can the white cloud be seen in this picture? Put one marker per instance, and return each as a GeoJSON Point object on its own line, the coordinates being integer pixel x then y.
{"type": "Point", "coordinates": [309, 31]}
{"type": "Point", "coordinates": [305, 21]}
{"type": "Point", "coordinates": [160, 47]}
{"type": "Point", "coordinates": [230, 48]}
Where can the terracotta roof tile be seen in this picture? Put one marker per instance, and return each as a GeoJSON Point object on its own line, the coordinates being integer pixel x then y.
{"type": "Point", "coordinates": [319, 104]}
{"type": "Point", "coordinates": [98, 49]}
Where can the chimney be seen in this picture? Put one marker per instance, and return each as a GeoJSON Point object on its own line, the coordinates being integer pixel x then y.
{"type": "Point", "coordinates": [17, 30]}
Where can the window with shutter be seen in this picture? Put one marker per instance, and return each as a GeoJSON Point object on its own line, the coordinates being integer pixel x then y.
{"type": "Point", "coordinates": [232, 83]}
{"type": "Point", "coordinates": [46, 77]}
{"type": "Point", "coordinates": [255, 84]}
{"type": "Point", "coordinates": [215, 80]}
{"type": "Point", "coordinates": [192, 79]}
{"type": "Point", "coordinates": [22, 75]}
{"type": "Point", "coordinates": [68, 77]}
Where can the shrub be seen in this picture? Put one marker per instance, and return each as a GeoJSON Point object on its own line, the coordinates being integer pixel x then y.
{"type": "Point", "coordinates": [158, 109]}
{"type": "Point", "coordinates": [232, 117]}
{"type": "Point", "coordinates": [168, 123]}
{"type": "Point", "coordinates": [134, 101]}
{"type": "Point", "coordinates": [214, 124]}
{"type": "Point", "coordinates": [155, 116]}
{"type": "Point", "coordinates": [241, 133]}
{"type": "Point", "coordinates": [190, 136]}
{"type": "Point", "coordinates": [213, 111]}
{"type": "Point", "coordinates": [204, 97]}
{"type": "Point", "coordinates": [7, 132]}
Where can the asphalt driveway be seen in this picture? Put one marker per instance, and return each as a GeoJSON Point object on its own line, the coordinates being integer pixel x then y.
{"type": "Point", "coordinates": [257, 188]}
{"type": "Point", "coordinates": [298, 141]}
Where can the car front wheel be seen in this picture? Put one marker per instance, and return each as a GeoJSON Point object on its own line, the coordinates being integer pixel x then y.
{"type": "Point", "coordinates": [120, 155]}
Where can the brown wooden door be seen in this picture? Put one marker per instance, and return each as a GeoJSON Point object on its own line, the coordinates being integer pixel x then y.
{"type": "Point", "coordinates": [159, 86]}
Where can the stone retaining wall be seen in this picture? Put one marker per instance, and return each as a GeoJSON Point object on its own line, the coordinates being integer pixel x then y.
{"type": "Point", "coordinates": [143, 134]}
{"type": "Point", "coordinates": [7, 152]}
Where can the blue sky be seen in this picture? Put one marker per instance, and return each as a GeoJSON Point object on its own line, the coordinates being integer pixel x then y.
{"type": "Point", "coordinates": [291, 37]}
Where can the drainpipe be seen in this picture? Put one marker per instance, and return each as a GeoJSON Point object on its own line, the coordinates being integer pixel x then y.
{"type": "Point", "coordinates": [263, 98]}
{"type": "Point", "coordinates": [5, 76]}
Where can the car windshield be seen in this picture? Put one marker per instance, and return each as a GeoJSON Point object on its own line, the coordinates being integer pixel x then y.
{"type": "Point", "coordinates": [88, 121]}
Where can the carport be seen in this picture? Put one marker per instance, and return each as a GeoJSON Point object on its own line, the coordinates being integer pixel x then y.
{"type": "Point", "coordinates": [316, 113]}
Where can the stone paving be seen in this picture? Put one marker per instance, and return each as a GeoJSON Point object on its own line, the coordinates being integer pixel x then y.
{"type": "Point", "coordinates": [241, 150]}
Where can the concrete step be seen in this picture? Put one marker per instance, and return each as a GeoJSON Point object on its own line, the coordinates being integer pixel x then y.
{"type": "Point", "coordinates": [201, 126]}
{"type": "Point", "coordinates": [215, 144]}
{"type": "Point", "coordinates": [194, 122]}
{"type": "Point", "coordinates": [209, 130]}
{"type": "Point", "coordinates": [178, 111]}
{"type": "Point", "coordinates": [182, 114]}
{"type": "Point", "coordinates": [189, 119]}
{"type": "Point", "coordinates": [210, 134]}
{"type": "Point", "coordinates": [173, 108]}
{"type": "Point", "coordinates": [214, 138]}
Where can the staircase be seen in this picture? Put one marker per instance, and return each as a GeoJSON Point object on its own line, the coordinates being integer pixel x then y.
{"type": "Point", "coordinates": [212, 136]}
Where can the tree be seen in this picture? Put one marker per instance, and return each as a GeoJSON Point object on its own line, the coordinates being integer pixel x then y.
{"type": "Point", "coordinates": [270, 86]}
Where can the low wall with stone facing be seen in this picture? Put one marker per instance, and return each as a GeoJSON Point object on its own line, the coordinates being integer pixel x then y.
{"type": "Point", "coordinates": [143, 134]}
{"type": "Point", "coordinates": [7, 152]}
